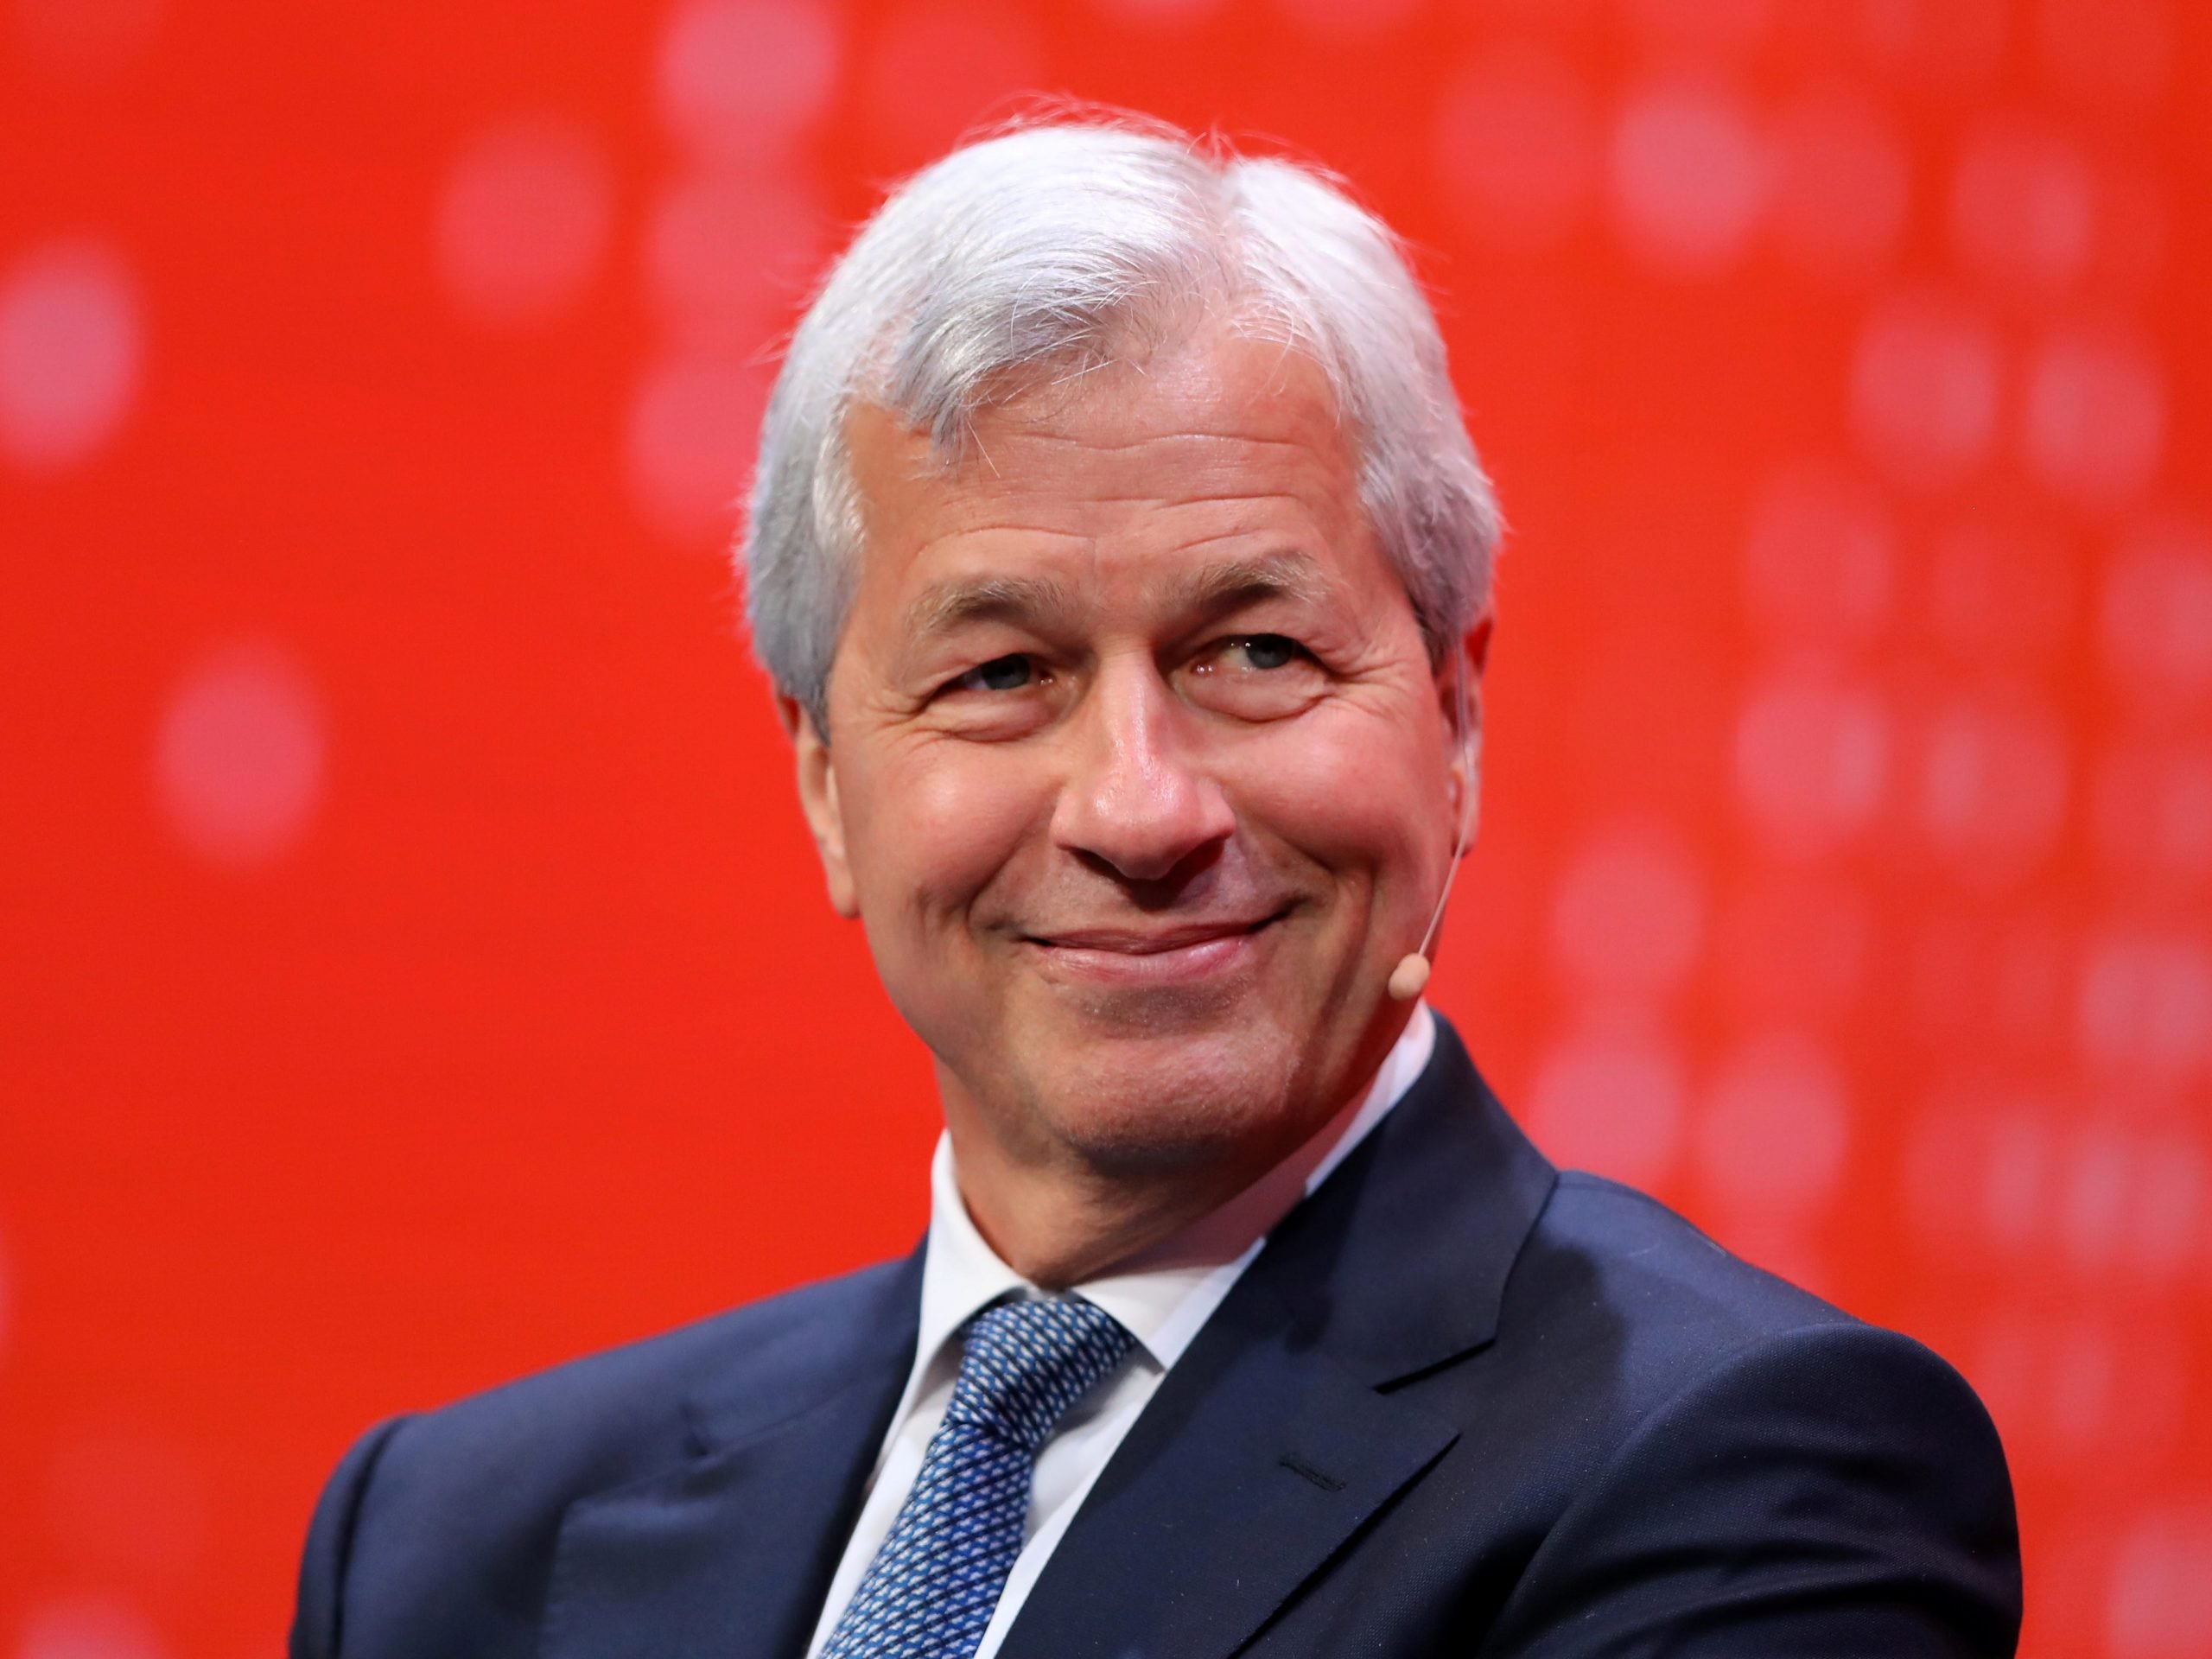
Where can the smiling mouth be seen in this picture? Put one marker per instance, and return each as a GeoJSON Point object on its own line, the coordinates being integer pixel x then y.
{"type": "Point", "coordinates": [1149, 942]}
{"type": "Point", "coordinates": [1153, 956]}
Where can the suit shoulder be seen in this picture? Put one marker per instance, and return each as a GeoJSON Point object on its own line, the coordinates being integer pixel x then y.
{"type": "Point", "coordinates": [589, 1416]}
{"type": "Point", "coordinates": [1642, 1248]}
{"type": "Point", "coordinates": [446, 1521]}
{"type": "Point", "coordinates": [1716, 1321]}
{"type": "Point", "coordinates": [1620, 1286]}
{"type": "Point", "coordinates": [1847, 1471]}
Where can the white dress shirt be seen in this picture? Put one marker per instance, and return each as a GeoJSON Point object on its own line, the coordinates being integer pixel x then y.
{"type": "Point", "coordinates": [1161, 1296]}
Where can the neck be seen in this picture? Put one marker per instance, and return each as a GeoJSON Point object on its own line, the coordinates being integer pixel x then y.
{"type": "Point", "coordinates": [1060, 1221]}
{"type": "Point", "coordinates": [1062, 1230]}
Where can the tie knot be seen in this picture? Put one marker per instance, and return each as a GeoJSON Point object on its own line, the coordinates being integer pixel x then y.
{"type": "Point", "coordinates": [1027, 1363]}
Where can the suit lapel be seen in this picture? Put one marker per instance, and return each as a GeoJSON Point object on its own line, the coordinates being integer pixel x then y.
{"type": "Point", "coordinates": [1246, 1472]}
{"type": "Point", "coordinates": [730, 1552]}
{"type": "Point", "coordinates": [1275, 1437]}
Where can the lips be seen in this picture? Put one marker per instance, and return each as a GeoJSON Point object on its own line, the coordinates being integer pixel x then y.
{"type": "Point", "coordinates": [1147, 942]}
{"type": "Point", "coordinates": [1188, 953]}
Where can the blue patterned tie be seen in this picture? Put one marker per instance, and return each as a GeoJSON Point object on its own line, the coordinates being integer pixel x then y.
{"type": "Point", "coordinates": [930, 1590]}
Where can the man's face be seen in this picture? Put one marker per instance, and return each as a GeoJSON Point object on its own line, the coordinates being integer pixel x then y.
{"type": "Point", "coordinates": [1138, 774]}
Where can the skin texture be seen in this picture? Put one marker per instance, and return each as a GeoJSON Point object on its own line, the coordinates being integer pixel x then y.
{"type": "Point", "coordinates": [1140, 782]}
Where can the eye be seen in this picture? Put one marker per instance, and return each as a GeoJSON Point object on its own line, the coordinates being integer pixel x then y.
{"type": "Point", "coordinates": [1000, 674]}
{"type": "Point", "coordinates": [1256, 677]}
{"type": "Point", "coordinates": [1266, 650]}
{"type": "Point", "coordinates": [1258, 652]}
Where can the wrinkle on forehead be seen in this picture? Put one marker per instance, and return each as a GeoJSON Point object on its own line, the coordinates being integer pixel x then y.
{"type": "Point", "coordinates": [1216, 586]}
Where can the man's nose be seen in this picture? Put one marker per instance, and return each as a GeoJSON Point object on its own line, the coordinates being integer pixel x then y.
{"type": "Point", "coordinates": [1136, 797]}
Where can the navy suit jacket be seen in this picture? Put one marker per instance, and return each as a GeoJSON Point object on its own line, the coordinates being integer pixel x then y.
{"type": "Point", "coordinates": [1461, 1404]}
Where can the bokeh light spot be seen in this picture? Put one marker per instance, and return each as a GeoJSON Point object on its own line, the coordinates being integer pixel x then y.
{"type": "Point", "coordinates": [1924, 389]}
{"type": "Point", "coordinates": [741, 80]}
{"type": "Point", "coordinates": [1517, 145]}
{"type": "Point", "coordinates": [938, 70]}
{"type": "Point", "coordinates": [1842, 183]}
{"type": "Point", "coordinates": [1776, 1129]}
{"type": "Point", "coordinates": [2115, 1396]}
{"type": "Point", "coordinates": [1820, 559]}
{"type": "Point", "coordinates": [523, 219]}
{"type": "Point", "coordinates": [2153, 809]}
{"type": "Point", "coordinates": [1812, 758]}
{"type": "Point", "coordinates": [2094, 417]}
{"type": "Point", "coordinates": [2145, 1006]}
{"type": "Point", "coordinates": [1711, 25]}
{"type": "Point", "coordinates": [693, 424]}
{"type": "Point", "coordinates": [1609, 1101]}
{"type": "Point", "coordinates": [730, 260]}
{"type": "Point", "coordinates": [239, 757]}
{"type": "Point", "coordinates": [2159, 1602]}
{"type": "Point", "coordinates": [1942, 45]}
{"type": "Point", "coordinates": [2082, 1387]}
{"type": "Point", "coordinates": [1980, 1170]}
{"type": "Point", "coordinates": [1348, 19]}
{"type": "Point", "coordinates": [1629, 915]}
{"type": "Point", "coordinates": [2165, 1210]}
{"type": "Point", "coordinates": [1993, 784]}
{"type": "Point", "coordinates": [88, 1628]}
{"type": "Point", "coordinates": [1689, 174]}
{"type": "Point", "coordinates": [2016, 1181]}
{"type": "Point", "coordinates": [70, 347]}
{"type": "Point", "coordinates": [2157, 616]}
{"type": "Point", "coordinates": [2097, 1179]}
{"type": "Point", "coordinates": [2023, 207]}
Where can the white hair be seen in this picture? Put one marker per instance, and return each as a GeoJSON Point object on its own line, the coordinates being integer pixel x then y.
{"type": "Point", "coordinates": [1055, 247]}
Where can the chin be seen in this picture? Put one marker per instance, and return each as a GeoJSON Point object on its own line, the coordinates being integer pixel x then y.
{"type": "Point", "coordinates": [1124, 1097]}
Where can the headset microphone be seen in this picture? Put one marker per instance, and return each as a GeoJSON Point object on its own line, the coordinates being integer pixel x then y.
{"type": "Point", "coordinates": [1409, 978]}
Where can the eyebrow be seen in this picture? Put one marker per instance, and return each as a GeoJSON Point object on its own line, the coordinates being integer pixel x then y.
{"type": "Point", "coordinates": [1211, 589]}
{"type": "Point", "coordinates": [943, 606]}
{"type": "Point", "coordinates": [1226, 584]}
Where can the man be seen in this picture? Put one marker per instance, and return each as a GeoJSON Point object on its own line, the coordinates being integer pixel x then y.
{"type": "Point", "coordinates": [1121, 563]}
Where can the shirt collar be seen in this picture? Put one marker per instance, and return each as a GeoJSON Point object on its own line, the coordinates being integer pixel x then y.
{"type": "Point", "coordinates": [1158, 1294]}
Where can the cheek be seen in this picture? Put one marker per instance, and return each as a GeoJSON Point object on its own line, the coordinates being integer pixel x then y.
{"type": "Point", "coordinates": [929, 827]}
{"type": "Point", "coordinates": [1358, 796]}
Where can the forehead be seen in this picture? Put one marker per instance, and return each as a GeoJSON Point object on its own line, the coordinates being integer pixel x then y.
{"type": "Point", "coordinates": [1219, 446]}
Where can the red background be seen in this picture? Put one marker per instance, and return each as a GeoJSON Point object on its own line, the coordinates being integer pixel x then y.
{"type": "Point", "coordinates": [415, 972]}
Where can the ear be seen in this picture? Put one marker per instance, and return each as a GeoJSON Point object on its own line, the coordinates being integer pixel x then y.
{"type": "Point", "coordinates": [817, 798]}
{"type": "Point", "coordinates": [1477, 645]}
{"type": "Point", "coordinates": [1460, 690]}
